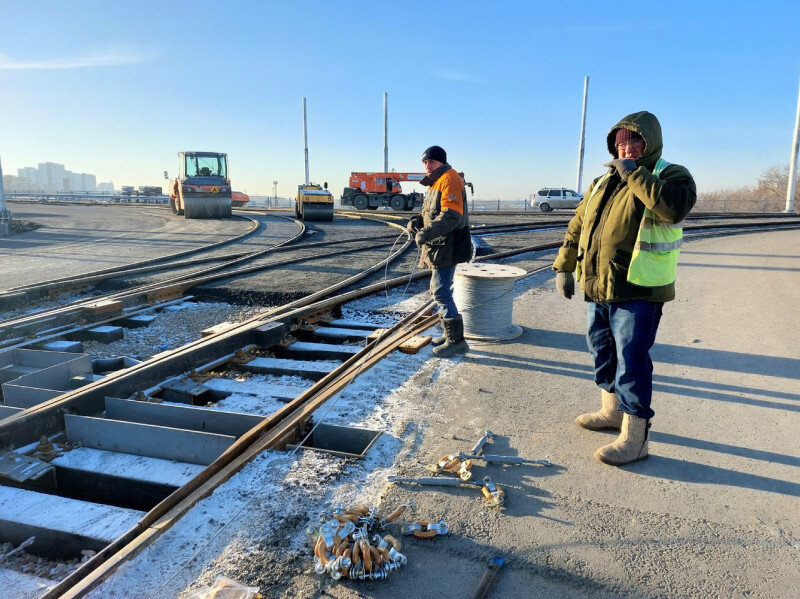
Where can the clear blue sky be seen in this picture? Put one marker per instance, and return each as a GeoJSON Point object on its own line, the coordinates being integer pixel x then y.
{"type": "Point", "coordinates": [118, 88]}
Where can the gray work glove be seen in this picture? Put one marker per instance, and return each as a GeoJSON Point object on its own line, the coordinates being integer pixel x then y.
{"type": "Point", "coordinates": [565, 283]}
{"type": "Point", "coordinates": [414, 224]}
{"type": "Point", "coordinates": [420, 238]}
{"type": "Point", "coordinates": [624, 166]}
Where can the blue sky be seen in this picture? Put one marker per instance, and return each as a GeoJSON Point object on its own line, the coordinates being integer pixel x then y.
{"type": "Point", "coordinates": [118, 88]}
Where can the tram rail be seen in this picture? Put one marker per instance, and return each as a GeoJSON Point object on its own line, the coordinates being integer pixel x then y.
{"type": "Point", "coordinates": [264, 333]}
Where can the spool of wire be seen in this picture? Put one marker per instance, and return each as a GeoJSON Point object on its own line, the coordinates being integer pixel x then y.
{"type": "Point", "coordinates": [484, 295]}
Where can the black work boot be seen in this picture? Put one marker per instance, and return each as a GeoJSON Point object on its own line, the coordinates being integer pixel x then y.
{"type": "Point", "coordinates": [454, 335]}
{"type": "Point", "coordinates": [439, 340]}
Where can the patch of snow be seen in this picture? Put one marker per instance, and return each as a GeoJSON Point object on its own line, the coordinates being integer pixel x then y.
{"type": "Point", "coordinates": [269, 503]}
{"type": "Point", "coordinates": [131, 466]}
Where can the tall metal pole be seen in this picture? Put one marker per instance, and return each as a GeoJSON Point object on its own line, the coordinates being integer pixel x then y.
{"type": "Point", "coordinates": [583, 134]}
{"type": "Point", "coordinates": [385, 132]}
{"type": "Point", "coordinates": [5, 215]}
{"type": "Point", "coordinates": [790, 186]}
{"type": "Point", "coordinates": [2, 193]}
{"type": "Point", "coordinates": [305, 136]}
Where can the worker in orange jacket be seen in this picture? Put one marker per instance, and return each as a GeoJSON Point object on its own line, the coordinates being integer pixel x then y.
{"type": "Point", "coordinates": [442, 234]}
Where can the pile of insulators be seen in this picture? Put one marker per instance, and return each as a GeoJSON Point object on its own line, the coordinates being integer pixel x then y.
{"type": "Point", "coordinates": [349, 543]}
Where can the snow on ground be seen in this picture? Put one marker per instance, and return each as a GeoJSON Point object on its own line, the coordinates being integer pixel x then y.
{"type": "Point", "coordinates": [175, 326]}
{"type": "Point", "coordinates": [155, 470]}
{"type": "Point", "coordinates": [251, 528]}
{"type": "Point", "coordinates": [258, 393]}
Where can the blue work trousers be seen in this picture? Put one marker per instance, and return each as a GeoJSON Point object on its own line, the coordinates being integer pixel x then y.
{"type": "Point", "coordinates": [442, 290]}
{"type": "Point", "coordinates": [620, 336]}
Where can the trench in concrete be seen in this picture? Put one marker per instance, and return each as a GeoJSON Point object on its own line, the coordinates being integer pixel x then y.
{"type": "Point", "coordinates": [110, 473]}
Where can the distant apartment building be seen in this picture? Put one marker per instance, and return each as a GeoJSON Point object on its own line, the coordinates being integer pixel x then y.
{"type": "Point", "coordinates": [105, 187]}
{"type": "Point", "coordinates": [50, 177]}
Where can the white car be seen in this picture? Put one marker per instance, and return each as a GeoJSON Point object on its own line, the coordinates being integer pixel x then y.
{"type": "Point", "coordinates": [555, 197]}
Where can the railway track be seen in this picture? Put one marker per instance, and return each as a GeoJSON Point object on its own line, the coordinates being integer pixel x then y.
{"type": "Point", "coordinates": [105, 308]}
{"type": "Point", "coordinates": [165, 402]}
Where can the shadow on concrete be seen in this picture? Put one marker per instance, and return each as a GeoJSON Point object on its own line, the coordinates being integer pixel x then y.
{"type": "Point", "coordinates": [760, 267]}
{"type": "Point", "coordinates": [685, 252]}
{"type": "Point", "coordinates": [693, 472]}
{"type": "Point", "coordinates": [675, 354]}
{"type": "Point", "coordinates": [482, 357]}
{"type": "Point", "coordinates": [716, 386]}
{"type": "Point", "coordinates": [744, 452]}
{"type": "Point", "coordinates": [685, 390]}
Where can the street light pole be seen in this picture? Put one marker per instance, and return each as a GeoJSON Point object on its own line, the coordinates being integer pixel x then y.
{"type": "Point", "coordinates": [792, 183]}
{"type": "Point", "coordinates": [5, 215]}
{"type": "Point", "coordinates": [582, 142]}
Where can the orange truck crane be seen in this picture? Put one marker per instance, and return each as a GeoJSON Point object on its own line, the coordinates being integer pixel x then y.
{"type": "Point", "coordinates": [369, 191]}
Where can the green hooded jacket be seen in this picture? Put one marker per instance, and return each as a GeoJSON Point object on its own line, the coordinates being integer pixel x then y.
{"type": "Point", "coordinates": [602, 238]}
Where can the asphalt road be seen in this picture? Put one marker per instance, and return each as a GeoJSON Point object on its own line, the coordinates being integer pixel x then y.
{"type": "Point", "coordinates": [78, 239]}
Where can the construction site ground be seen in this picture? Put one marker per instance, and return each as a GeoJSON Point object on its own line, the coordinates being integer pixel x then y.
{"type": "Point", "coordinates": [712, 513]}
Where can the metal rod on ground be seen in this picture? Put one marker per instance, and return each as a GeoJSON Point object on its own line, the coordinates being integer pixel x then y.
{"type": "Point", "coordinates": [792, 183]}
{"type": "Point", "coordinates": [488, 577]}
{"type": "Point", "coordinates": [582, 143]}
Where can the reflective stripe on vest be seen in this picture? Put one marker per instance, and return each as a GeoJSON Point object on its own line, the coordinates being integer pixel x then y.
{"type": "Point", "coordinates": [658, 245]}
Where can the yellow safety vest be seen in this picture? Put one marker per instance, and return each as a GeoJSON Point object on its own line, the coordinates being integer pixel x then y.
{"type": "Point", "coordinates": [658, 244]}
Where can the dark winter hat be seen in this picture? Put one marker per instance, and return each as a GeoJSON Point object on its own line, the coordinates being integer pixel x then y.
{"type": "Point", "coordinates": [626, 135]}
{"type": "Point", "coordinates": [435, 153]}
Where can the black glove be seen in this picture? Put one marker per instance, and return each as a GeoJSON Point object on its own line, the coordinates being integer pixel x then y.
{"type": "Point", "coordinates": [624, 166]}
{"type": "Point", "coordinates": [414, 224]}
{"type": "Point", "coordinates": [565, 283]}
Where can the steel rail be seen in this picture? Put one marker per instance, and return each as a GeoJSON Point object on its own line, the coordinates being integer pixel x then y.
{"type": "Point", "coordinates": [174, 288]}
{"type": "Point", "coordinates": [85, 280]}
{"type": "Point", "coordinates": [275, 431]}
{"type": "Point", "coordinates": [254, 226]}
{"type": "Point", "coordinates": [73, 307]}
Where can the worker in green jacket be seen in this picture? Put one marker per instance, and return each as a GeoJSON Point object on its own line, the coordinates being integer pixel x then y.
{"type": "Point", "coordinates": [623, 244]}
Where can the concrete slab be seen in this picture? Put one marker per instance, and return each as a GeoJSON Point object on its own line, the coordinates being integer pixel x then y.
{"type": "Point", "coordinates": [341, 333]}
{"type": "Point", "coordinates": [283, 393]}
{"type": "Point", "coordinates": [185, 390]}
{"type": "Point", "coordinates": [137, 321]}
{"type": "Point", "coordinates": [321, 351]}
{"type": "Point", "coordinates": [305, 368]}
{"type": "Point", "coordinates": [105, 334]}
{"type": "Point", "coordinates": [62, 345]}
{"type": "Point", "coordinates": [78, 381]}
{"type": "Point", "coordinates": [146, 440]}
{"type": "Point", "coordinates": [6, 411]}
{"type": "Point", "coordinates": [59, 521]}
{"type": "Point", "coordinates": [354, 324]}
{"type": "Point", "coordinates": [135, 467]}
{"type": "Point", "coordinates": [184, 417]}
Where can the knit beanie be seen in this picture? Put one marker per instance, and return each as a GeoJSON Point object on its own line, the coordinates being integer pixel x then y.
{"type": "Point", "coordinates": [435, 153]}
{"type": "Point", "coordinates": [626, 135]}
